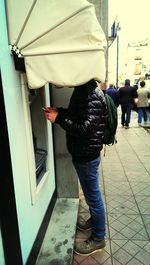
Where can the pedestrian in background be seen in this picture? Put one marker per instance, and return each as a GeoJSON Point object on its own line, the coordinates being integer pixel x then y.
{"type": "Point", "coordinates": [84, 122]}
{"type": "Point", "coordinates": [142, 104]}
{"type": "Point", "coordinates": [112, 92]}
{"type": "Point", "coordinates": [127, 96]}
{"type": "Point", "coordinates": [135, 102]}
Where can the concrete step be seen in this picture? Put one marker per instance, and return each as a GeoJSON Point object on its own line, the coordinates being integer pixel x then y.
{"type": "Point", "coordinates": [57, 247]}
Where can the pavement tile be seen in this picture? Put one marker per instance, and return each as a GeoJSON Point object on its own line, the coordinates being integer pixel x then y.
{"type": "Point", "coordinates": [123, 204]}
{"type": "Point", "coordinates": [115, 177]}
{"type": "Point", "coordinates": [146, 220]}
{"type": "Point", "coordinates": [117, 244]}
{"type": "Point", "coordinates": [115, 167]}
{"type": "Point", "coordinates": [147, 166]}
{"type": "Point", "coordinates": [74, 262]}
{"type": "Point", "coordinates": [124, 219]}
{"type": "Point", "coordinates": [90, 261]}
{"type": "Point", "coordinates": [106, 164]}
{"type": "Point", "coordinates": [122, 256]}
{"type": "Point", "coordinates": [133, 247]}
{"type": "Point", "coordinates": [119, 188]}
{"type": "Point", "coordinates": [78, 258]}
{"type": "Point", "coordinates": [143, 203]}
{"type": "Point", "coordinates": [137, 175]}
{"type": "Point", "coordinates": [132, 166]}
{"type": "Point", "coordinates": [143, 256]}
{"type": "Point", "coordinates": [134, 261]}
{"type": "Point", "coordinates": [101, 255]}
{"type": "Point", "coordinates": [113, 174]}
{"type": "Point", "coordinates": [116, 262]}
{"type": "Point", "coordinates": [127, 227]}
{"type": "Point", "coordinates": [130, 160]}
{"type": "Point", "coordinates": [140, 188]}
{"type": "Point", "coordinates": [147, 247]}
{"type": "Point", "coordinates": [145, 157]}
{"type": "Point", "coordinates": [108, 261]}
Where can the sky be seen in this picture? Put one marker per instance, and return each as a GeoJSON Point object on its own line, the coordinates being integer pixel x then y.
{"type": "Point", "coordinates": [134, 19]}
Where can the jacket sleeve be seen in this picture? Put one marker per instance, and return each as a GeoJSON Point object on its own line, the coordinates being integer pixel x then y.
{"type": "Point", "coordinates": [83, 128]}
{"type": "Point", "coordinates": [118, 96]}
{"type": "Point", "coordinates": [134, 94]}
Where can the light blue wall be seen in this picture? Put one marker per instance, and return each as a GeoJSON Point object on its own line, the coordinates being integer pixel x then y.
{"type": "Point", "coordinates": [29, 216]}
{"type": "Point", "coordinates": [2, 261]}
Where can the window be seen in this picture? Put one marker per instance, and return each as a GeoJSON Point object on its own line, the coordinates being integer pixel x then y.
{"type": "Point", "coordinates": [36, 99]}
{"type": "Point", "coordinates": [36, 135]}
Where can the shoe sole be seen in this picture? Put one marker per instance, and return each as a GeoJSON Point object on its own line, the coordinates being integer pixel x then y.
{"type": "Point", "coordinates": [87, 254]}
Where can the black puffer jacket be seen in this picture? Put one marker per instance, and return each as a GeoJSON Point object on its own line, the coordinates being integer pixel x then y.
{"type": "Point", "coordinates": [84, 122]}
{"type": "Point", "coordinates": [127, 94]}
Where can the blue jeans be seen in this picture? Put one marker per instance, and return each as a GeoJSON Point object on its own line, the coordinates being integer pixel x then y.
{"type": "Point", "coordinates": [88, 173]}
{"type": "Point", "coordinates": [142, 114]}
{"type": "Point", "coordinates": [126, 114]}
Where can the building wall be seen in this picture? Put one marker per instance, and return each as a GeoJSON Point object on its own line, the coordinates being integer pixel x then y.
{"type": "Point", "coordinates": [101, 8]}
{"type": "Point", "coordinates": [97, 4]}
{"type": "Point", "coordinates": [2, 261]}
{"type": "Point", "coordinates": [30, 215]}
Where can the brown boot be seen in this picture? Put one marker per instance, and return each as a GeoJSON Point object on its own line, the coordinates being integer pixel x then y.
{"type": "Point", "coordinates": [89, 246]}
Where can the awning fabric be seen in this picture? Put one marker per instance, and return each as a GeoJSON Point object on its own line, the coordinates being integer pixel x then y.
{"type": "Point", "coordinates": [61, 41]}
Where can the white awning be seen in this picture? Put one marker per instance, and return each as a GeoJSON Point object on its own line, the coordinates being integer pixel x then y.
{"type": "Point", "coordinates": [61, 41]}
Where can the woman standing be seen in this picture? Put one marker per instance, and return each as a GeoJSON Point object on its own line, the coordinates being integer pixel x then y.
{"type": "Point", "coordinates": [142, 104]}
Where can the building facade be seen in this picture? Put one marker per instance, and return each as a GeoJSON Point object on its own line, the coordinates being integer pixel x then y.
{"type": "Point", "coordinates": [36, 174]}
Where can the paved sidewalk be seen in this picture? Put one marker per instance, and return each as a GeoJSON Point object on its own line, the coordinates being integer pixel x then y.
{"type": "Point", "coordinates": [125, 185]}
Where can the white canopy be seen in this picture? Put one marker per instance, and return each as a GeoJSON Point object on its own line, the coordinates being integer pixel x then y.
{"type": "Point", "coordinates": [61, 41]}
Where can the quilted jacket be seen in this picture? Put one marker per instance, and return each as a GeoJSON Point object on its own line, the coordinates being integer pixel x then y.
{"type": "Point", "coordinates": [84, 121]}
